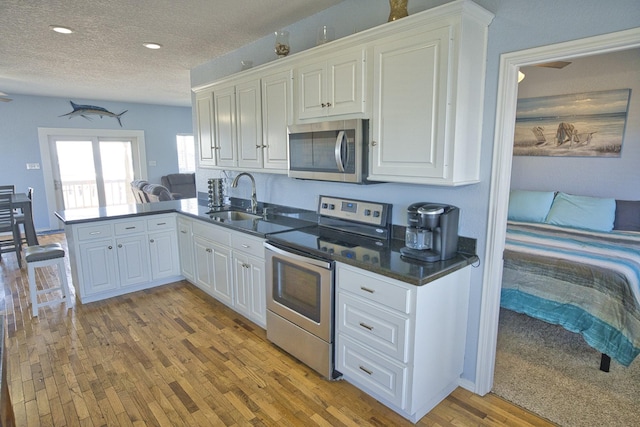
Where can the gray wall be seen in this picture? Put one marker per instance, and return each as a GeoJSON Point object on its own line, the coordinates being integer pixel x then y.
{"type": "Point", "coordinates": [21, 118]}
{"type": "Point", "coordinates": [518, 25]}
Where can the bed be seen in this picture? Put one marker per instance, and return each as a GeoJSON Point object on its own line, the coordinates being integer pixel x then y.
{"type": "Point", "coordinates": [575, 261]}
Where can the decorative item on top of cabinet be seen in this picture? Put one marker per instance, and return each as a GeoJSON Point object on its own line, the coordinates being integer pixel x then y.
{"type": "Point", "coordinates": [428, 92]}
{"type": "Point", "coordinates": [397, 9]}
{"type": "Point", "coordinates": [282, 43]}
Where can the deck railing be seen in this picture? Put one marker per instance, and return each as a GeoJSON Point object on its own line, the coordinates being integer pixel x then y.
{"type": "Point", "coordinates": [84, 194]}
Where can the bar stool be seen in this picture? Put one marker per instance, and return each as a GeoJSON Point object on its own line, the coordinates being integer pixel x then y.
{"type": "Point", "coordinates": [41, 256]}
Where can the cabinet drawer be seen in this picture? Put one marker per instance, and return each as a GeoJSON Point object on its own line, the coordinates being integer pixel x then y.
{"type": "Point", "coordinates": [375, 374]}
{"type": "Point", "coordinates": [372, 288]}
{"type": "Point", "coordinates": [94, 231]}
{"type": "Point", "coordinates": [161, 223]}
{"type": "Point", "coordinates": [129, 227]}
{"type": "Point", "coordinates": [383, 330]}
{"type": "Point", "coordinates": [249, 245]}
{"type": "Point", "coordinates": [212, 232]}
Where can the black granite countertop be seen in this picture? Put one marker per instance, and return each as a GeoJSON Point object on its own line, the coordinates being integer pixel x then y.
{"type": "Point", "coordinates": [280, 219]}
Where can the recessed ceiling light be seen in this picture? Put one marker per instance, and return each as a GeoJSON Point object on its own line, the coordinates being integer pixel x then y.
{"type": "Point", "coordinates": [152, 45]}
{"type": "Point", "coordinates": [61, 30]}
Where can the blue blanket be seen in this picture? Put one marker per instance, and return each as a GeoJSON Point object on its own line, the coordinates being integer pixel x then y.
{"type": "Point", "coordinates": [588, 282]}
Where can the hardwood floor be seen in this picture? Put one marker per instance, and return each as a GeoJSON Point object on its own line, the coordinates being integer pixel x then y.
{"type": "Point", "coordinates": [174, 356]}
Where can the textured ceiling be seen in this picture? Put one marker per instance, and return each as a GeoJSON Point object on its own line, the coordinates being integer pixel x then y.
{"type": "Point", "coordinates": [104, 59]}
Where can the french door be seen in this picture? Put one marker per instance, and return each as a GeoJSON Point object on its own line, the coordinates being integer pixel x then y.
{"type": "Point", "coordinates": [92, 172]}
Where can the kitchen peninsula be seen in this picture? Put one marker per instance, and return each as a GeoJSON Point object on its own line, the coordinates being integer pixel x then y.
{"type": "Point", "coordinates": [115, 222]}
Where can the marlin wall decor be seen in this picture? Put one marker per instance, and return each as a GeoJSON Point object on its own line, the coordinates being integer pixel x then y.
{"type": "Point", "coordinates": [88, 110]}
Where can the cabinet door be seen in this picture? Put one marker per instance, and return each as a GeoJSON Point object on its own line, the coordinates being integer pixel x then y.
{"type": "Point", "coordinates": [311, 86]}
{"type": "Point", "coordinates": [257, 287]}
{"type": "Point", "coordinates": [98, 261]}
{"type": "Point", "coordinates": [204, 130]}
{"type": "Point", "coordinates": [345, 83]}
{"type": "Point", "coordinates": [224, 112]}
{"type": "Point", "coordinates": [249, 298]}
{"type": "Point", "coordinates": [163, 252]}
{"type": "Point", "coordinates": [185, 246]}
{"type": "Point", "coordinates": [222, 278]}
{"type": "Point", "coordinates": [249, 124]}
{"type": "Point", "coordinates": [133, 260]}
{"type": "Point", "coordinates": [277, 110]}
{"type": "Point", "coordinates": [203, 263]}
{"type": "Point", "coordinates": [410, 107]}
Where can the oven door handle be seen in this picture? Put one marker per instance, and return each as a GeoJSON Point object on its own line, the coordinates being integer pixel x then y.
{"type": "Point", "coordinates": [327, 265]}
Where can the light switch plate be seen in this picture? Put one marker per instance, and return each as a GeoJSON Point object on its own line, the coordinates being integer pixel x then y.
{"type": "Point", "coordinates": [33, 165]}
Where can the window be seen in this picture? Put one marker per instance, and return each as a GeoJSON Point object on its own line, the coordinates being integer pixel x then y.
{"type": "Point", "coordinates": [186, 153]}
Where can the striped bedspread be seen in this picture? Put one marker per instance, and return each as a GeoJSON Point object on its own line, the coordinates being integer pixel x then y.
{"type": "Point", "coordinates": [586, 281]}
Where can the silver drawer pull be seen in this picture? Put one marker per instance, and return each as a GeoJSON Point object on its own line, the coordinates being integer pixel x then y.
{"type": "Point", "coordinates": [130, 228]}
{"type": "Point", "coordinates": [367, 289]}
{"type": "Point", "coordinates": [362, 368]}
{"type": "Point", "coordinates": [183, 232]}
{"type": "Point", "coordinates": [161, 223]}
{"type": "Point", "coordinates": [364, 325]}
{"type": "Point", "coordinates": [246, 246]}
{"type": "Point", "coordinates": [93, 233]}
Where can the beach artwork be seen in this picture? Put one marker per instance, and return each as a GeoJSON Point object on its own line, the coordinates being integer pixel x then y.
{"type": "Point", "coordinates": [589, 124]}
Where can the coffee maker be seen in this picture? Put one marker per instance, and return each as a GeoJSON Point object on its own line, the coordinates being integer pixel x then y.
{"type": "Point", "coordinates": [432, 232]}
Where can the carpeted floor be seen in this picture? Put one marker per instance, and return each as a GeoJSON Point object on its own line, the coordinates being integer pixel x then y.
{"type": "Point", "coordinates": [554, 373]}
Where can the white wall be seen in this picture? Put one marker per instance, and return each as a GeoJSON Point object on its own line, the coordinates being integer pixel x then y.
{"type": "Point", "coordinates": [21, 118]}
{"type": "Point", "coordinates": [597, 177]}
{"type": "Point", "coordinates": [518, 25]}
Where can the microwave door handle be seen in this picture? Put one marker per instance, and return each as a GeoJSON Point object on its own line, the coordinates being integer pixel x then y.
{"type": "Point", "coordinates": [340, 141]}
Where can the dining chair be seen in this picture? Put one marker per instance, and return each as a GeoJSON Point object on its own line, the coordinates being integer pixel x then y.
{"type": "Point", "coordinates": [20, 217]}
{"type": "Point", "coordinates": [8, 225]}
{"type": "Point", "coordinates": [7, 189]}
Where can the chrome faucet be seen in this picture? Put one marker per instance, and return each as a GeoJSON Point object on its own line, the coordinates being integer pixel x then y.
{"type": "Point", "coordinates": [254, 199]}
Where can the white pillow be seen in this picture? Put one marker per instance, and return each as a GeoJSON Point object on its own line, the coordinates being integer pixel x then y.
{"type": "Point", "coordinates": [592, 213]}
{"type": "Point", "coordinates": [529, 206]}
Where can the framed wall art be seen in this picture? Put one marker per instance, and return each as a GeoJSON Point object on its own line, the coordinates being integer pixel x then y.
{"type": "Point", "coordinates": [589, 124]}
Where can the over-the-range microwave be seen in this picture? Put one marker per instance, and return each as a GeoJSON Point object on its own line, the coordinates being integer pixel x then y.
{"type": "Point", "coordinates": [330, 151]}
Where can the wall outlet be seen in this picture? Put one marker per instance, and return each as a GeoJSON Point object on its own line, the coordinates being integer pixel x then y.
{"type": "Point", "coordinates": [33, 165]}
{"type": "Point", "coordinates": [152, 162]}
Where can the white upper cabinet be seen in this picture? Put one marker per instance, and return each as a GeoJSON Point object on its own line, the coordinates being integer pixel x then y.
{"type": "Point", "coordinates": [224, 124]}
{"type": "Point", "coordinates": [428, 92]}
{"type": "Point", "coordinates": [277, 112]}
{"type": "Point", "coordinates": [249, 124]}
{"type": "Point", "coordinates": [419, 80]}
{"type": "Point", "coordinates": [332, 86]}
{"type": "Point", "coordinates": [204, 128]}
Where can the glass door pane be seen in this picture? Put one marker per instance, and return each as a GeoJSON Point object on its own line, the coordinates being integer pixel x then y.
{"type": "Point", "coordinates": [117, 171]}
{"type": "Point", "coordinates": [77, 174]}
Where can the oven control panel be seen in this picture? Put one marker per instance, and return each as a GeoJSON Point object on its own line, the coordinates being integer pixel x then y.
{"type": "Point", "coordinates": [372, 213]}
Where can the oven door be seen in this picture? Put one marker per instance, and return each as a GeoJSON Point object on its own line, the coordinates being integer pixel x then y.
{"type": "Point", "coordinates": [300, 289]}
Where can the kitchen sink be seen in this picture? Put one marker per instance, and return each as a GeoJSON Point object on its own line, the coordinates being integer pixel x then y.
{"type": "Point", "coordinates": [234, 216]}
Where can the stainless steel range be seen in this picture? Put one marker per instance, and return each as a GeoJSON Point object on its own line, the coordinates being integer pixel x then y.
{"type": "Point", "coordinates": [300, 275]}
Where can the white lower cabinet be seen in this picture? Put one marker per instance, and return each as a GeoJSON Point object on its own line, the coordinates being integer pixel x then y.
{"type": "Point", "coordinates": [249, 278]}
{"type": "Point", "coordinates": [229, 266]}
{"type": "Point", "coordinates": [212, 256]}
{"type": "Point", "coordinates": [400, 343]}
{"type": "Point", "coordinates": [185, 248]}
{"type": "Point", "coordinates": [114, 257]}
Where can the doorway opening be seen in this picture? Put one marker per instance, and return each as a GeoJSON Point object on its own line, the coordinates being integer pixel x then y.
{"type": "Point", "coordinates": [510, 64]}
{"type": "Point", "coordinates": [91, 173]}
